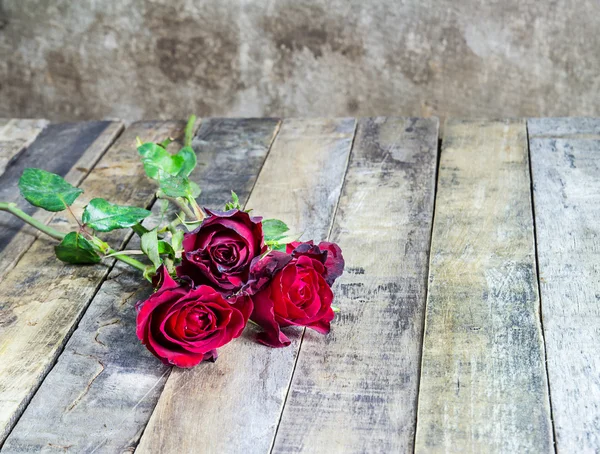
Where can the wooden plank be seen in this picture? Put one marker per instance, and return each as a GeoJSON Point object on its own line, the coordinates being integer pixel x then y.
{"type": "Point", "coordinates": [70, 150]}
{"type": "Point", "coordinates": [42, 299]}
{"type": "Point", "coordinates": [234, 405]}
{"type": "Point", "coordinates": [565, 163]}
{"type": "Point", "coordinates": [356, 389]}
{"type": "Point", "coordinates": [15, 136]}
{"type": "Point", "coordinates": [101, 393]}
{"type": "Point", "coordinates": [483, 379]}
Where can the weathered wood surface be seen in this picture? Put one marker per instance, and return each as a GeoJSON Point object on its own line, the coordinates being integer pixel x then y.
{"type": "Point", "coordinates": [15, 136]}
{"type": "Point", "coordinates": [69, 150]}
{"type": "Point", "coordinates": [42, 298]}
{"type": "Point", "coordinates": [101, 393]}
{"type": "Point", "coordinates": [234, 405]}
{"type": "Point", "coordinates": [356, 389]}
{"type": "Point", "coordinates": [565, 162]}
{"type": "Point", "coordinates": [483, 379]}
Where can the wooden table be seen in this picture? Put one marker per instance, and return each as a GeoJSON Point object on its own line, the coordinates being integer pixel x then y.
{"type": "Point", "coordinates": [470, 305]}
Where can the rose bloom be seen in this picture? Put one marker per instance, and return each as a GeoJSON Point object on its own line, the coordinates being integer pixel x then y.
{"type": "Point", "coordinates": [182, 325]}
{"type": "Point", "coordinates": [219, 252]}
{"type": "Point", "coordinates": [294, 289]}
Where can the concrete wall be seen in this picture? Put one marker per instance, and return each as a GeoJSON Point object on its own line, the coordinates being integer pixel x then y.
{"type": "Point", "coordinates": [80, 59]}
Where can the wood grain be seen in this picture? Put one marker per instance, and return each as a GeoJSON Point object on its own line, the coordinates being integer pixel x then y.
{"type": "Point", "coordinates": [355, 390]}
{"type": "Point", "coordinates": [101, 393]}
{"type": "Point", "coordinates": [15, 136]}
{"type": "Point", "coordinates": [565, 163]}
{"type": "Point", "coordinates": [234, 404]}
{"type": "Point", "coordinates": [42, 299]}
{"type": "Point", "coordinates": [69, 150]}
{"type": "Point", "coordinates": [483, 379]}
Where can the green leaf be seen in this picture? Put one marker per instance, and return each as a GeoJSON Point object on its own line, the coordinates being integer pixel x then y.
{"type": "Point", "coordinates": [157, 160]}
{"type": "Point", "coordinates": [74, 248]}
{"type": "Point", "coordinates": [278, 247]}
{"type": "Point", "coordinates": [234, 204]}
{"type": "Point", "coordinates": [47, 190]}
{"type": "Point", "coordinates": [165, 248]}
{"type": "Point", "coordinates": [186, 160]}
{"type": "Point", "coordinates": [163, 205]}
{"type": "Point", "coordinates": [104, 216]}
{"type": "Point", "coordinates": [274, 229]}
{"type": "Point", "coordinates": [177, 242]}
{"type": "Point", "coordinates": [149, 244]}
{"type": "Point", "coordinates": [189, 130]}
{"type": "Point", "coordinates": [194, 190]}
{"type": "Point", "coordinates": [175, 186]}
{"type": "Point", "coordinates": [178, 186]}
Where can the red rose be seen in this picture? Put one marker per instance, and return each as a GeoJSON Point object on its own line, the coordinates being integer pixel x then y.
{"type": "Point", "coordinates": [220, 251]}
{"type": "Point", "coordinates": [334, 264]}
{"type": "Point", "coordinates": [183, 325]}
{"type": "Point", "coordinates": [291, 289]}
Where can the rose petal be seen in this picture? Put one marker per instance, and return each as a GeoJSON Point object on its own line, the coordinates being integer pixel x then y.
{"type": "Point", "coordinates": [263, 315]}
{"type": "Point", "coordinates": [243, 303]}
{"type": "Point", "coordinates": [308, 249]}
{"type": "Point", "coordinates": [334, 264]}
{"type": "Point", "coordinates": [264, 268]}
{"type": "Point", "coordinates": [323, 326]}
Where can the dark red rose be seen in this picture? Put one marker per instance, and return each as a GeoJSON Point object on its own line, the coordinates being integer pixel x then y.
{"type": "Point", "coordinates": [220, 251]}
{"type": "Point", "coordinates": [291, 289]}
{"type": "Point", "coordinates": [334, 264]}
{"type": "Point", "coordinates": [183, 325]}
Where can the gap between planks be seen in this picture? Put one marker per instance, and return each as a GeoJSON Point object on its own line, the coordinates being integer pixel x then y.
{"type": "Point", "coordinates": [435, 191]}
{"type": "Point", "coordinates": [539, 288]}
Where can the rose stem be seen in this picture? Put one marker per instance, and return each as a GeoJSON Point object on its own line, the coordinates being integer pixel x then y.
{"type": "Point", "coordinates": [126, 259]}
{"type": "Point", "coordinates": [180, 203]}
{"type": "Point", "coordinates": [174, 223]}
{"type": "Point", "coordinates": [12, 208]}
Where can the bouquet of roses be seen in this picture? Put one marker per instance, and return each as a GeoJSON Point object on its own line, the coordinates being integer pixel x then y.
{"type": "Point", "coordinates": [213, 271]}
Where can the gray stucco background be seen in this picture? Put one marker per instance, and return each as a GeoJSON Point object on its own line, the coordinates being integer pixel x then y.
{"type": "Point", "coordinates": [133, 59]}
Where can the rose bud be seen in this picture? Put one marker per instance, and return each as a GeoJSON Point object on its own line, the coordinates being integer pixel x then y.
{"type": "Point", "coordinates": [334, 264]}
{"type": "Point", "coordinates": [183, 326]}
{"type": "Point", "coordinates": [291, 289]}
{"type": "Point", "coordinates": [220, 251]}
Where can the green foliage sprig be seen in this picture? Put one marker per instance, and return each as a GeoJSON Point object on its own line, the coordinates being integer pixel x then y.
{"type": "Point", "coordinates": [176, 194]}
